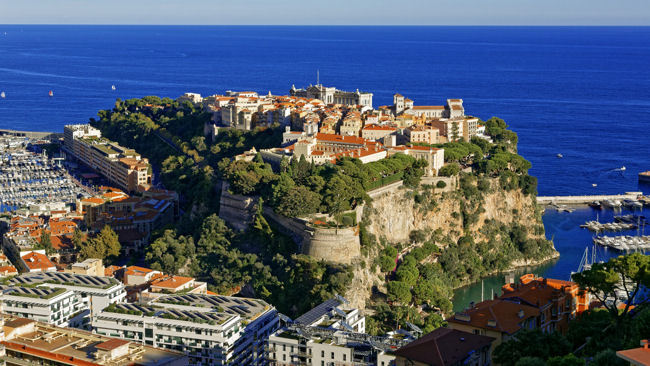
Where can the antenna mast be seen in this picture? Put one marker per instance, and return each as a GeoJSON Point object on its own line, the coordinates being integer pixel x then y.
{"type": "Point", "coordinates": [317, 77]}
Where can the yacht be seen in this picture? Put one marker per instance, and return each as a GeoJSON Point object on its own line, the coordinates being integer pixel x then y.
{"type": "Point", "coordinates": [560, 155]}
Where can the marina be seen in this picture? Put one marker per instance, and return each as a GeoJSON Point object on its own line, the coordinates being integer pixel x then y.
{"type": "Point", "coordinates": [624, 243]}
{"type": "Point", "coordinates": [28, 178]}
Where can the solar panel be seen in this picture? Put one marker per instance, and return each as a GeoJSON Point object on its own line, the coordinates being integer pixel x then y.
{"type": "Point", "coordinates": [317, 312]}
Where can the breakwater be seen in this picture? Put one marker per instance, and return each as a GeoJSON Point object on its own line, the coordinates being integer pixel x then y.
{"type": "Point", "coordinates": [32, 134]}
{"type": "Point", "coordinates": [583, 200]}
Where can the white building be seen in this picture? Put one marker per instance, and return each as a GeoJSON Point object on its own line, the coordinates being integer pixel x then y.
{"type": "Point", "coordinates": [95, 292]}
{"type": "Point", "coordinates": [330, 334]}
{"type": "Point", "coordinates": [210, 329]}
{"type": "Point", "coordinates": [56, 306]}
{"type": "Point", "coordinates": [331, 95]}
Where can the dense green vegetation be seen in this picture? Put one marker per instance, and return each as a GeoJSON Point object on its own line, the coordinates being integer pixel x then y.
{"type": "Point", "coordinates": [597, 334]}
{"type": "Point", "coordinates": [301, 188]}
{"type": "Point", "coordinates": [262, 262]}
{"type": "Point", "coordinates": [104, 245]}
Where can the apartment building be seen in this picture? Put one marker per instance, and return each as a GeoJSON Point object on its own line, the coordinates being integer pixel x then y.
{"type": "Point", "coordinates": [558, 301]}
{"type": "Point", "coordinates": [124, 167]}
{"type": "Point", "coordinates": [56, 306]}
{"type": "Point", "coordinates": [376, 132]}
{"type": "Point", "coordinates": [422, 133]}
{"type": "Point", "coordinates": [446, 347]}
{"type": "Point", "coordinates": [210, 329]}
{"type": "Point", "coordinates": [90, 266]}
{"type": "Point", "coordinates": [499, 319]}
{"type": "Point", "coordinates": [332, 333]}
{"type": "Point", "coordinates": [94, 291]}
{"type": "Point", "coordinates": [28, 342]}
{"type": "Point", "coordinates": [36, 261]}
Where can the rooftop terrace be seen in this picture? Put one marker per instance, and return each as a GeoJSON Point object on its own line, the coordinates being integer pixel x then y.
{"type": "Point", "coordinates": [67, 279]}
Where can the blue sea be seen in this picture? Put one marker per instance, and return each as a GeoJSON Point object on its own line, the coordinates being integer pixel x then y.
{"type": "Point", "coordinates": [583, 92]}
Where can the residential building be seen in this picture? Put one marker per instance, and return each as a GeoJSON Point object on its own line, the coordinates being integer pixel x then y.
{"type": "Point", "coordinates": [558, 301]}
{"type": "Point", "coordinates": [377, 132]}
{"type": "Point", "coordinates": [94, 291]}
{"type": "Point", "coordinates": [636, 356]}
{"type": "Point", "coordinates": [422, 133]}
{"type": "Point", "coordinates": [135, 275]}
{"type": "Point", "coordinates": [499, 319]}
{"type": "Point", "coordinates": [162, 285]}
{"type": "Point", "coordinates": [29, 342]}
{"type": "Point", "coordinates": [446, 347]}
{"type": "Point", "coordinates": [210, 329]}
{"type": "Point", "coordinates": [351, 124]}
{"type": "Point", "coordinates": [124, 167]}
{"type": "Point", "coordinates": [36, 261]}
{"type": "Point", "coordinates": [331, 95]}
{"type": "Point", "coordinates": [56, 306]}
{"type": "Point", "coordinates": [90, 266]}
{"type": "Point", "coordinates": [334, 314]}
{"type": "Point", "coordinates": [332, 333]}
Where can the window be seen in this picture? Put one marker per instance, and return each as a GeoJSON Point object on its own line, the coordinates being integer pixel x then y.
{"type": "Point", "coordinates": [322, 353]}
{"type": "Point", "coordinates": [345, 357]}
{"type": "Point", "coordinates": [332, 355]}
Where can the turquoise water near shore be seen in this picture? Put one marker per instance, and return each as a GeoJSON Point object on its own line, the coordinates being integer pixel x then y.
{"type": "Point", "coordinates": [569, 239]}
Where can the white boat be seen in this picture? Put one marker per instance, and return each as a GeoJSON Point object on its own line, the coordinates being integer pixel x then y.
{"type": "Point", "coordinates": [594, 185]}
{"type": "Point", "coordinates": [2, 95]}
{"type": "Point", "coordinates": [112, 87]}
{"type": "Point", "coordinates": [560, 155]}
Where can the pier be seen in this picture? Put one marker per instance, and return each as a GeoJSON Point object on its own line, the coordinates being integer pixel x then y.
{"type": "Point", "coordinates": [31, 134]}
{"type": "Point", "coordinates": [583, 200]}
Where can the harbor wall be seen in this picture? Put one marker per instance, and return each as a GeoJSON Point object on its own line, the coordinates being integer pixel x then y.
{"type": "Point", "coordinates": [577, 200]}
{"type": "Point", "coordinates": [32, 134]}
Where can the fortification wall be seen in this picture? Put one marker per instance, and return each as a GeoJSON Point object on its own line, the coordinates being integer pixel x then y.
{"type": "Point", "coordinates": [332, 245]}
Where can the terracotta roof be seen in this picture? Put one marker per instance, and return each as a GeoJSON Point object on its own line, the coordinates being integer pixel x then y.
{"type": "Point", "coordinates": [8, 269]}
{"type": "Point", "coordinates": [378, 128]}
{"type": "Point", "coordinates": [636, 356]}
{"type": "Point", "coordinates": [444, 347]}
{"type": "Point", "coordinates": [96, 200]}
{"type": "Point", "coordinates": [35, 261]}
{"type": "Point", "coordinates": [111, 344]}
{"type": "Point", "coordinates": [505, 316]}
{"type": "Point", "coordinates": [537, 291]}
{"type": "Point", "coordinates": [137, 271]}
{"type": "Point", "coordinates": [171, 282]}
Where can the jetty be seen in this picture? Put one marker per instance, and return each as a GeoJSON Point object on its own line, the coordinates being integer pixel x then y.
{"type": "Point", "coordinates": [583, 200]}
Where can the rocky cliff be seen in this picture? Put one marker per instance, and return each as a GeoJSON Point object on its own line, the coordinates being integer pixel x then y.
{"type": "Point", "coordinates": [394, 215]}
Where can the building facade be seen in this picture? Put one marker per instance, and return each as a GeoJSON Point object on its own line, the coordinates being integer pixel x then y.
{"type": "Point", "coordinates": [210, 329]}
{"type": "Point", "coordinates": [124, 167]}
{"type": "Point", "coordinates": [331, 95]}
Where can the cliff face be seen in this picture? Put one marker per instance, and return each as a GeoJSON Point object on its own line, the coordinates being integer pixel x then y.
{"type": "Point", "coordinates": [395, 214]}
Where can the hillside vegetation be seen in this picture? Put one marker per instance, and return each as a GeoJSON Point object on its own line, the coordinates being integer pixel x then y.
{"type": "Point", "coordinates": [418, 243]}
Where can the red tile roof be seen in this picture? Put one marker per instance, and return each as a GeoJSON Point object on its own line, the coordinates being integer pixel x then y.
{"type": "Point", "coordinates": [444, 347]}
{"type": "Point", "coordinates": [111, 344]}
{"type": "Point", "coordinates": [505, 316]}
{"type": "Point", "coordinates": [36, 261]}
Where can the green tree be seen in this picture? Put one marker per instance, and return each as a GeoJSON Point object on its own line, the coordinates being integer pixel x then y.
{"type": "Point", "coordinates": [77, 238]}
{"type": "Point", "coordinates": [45, 242]}
{"type": "Point", "coordinates": [105, 245]}
{"type": "Point", "coordinates": [629, 273]}
{"type": "Point", "coordinates": [399, 292]}
{"type": "Point", "coordinates": [531, 343]}
{"type": "Point", "coordinates": [455, 135]}
{"type": "Point", "coordinates": [567, 360]}
{"type": "Point", "coordinates": [449, 170]}
{"type": "Point", "coordinates": [530, 361]}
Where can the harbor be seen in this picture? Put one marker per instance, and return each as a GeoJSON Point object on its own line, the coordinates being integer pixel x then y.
{"type": "Point", "coordinates": [587, 199]}
{"type": "Point", "coordinates": [28, 178]}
